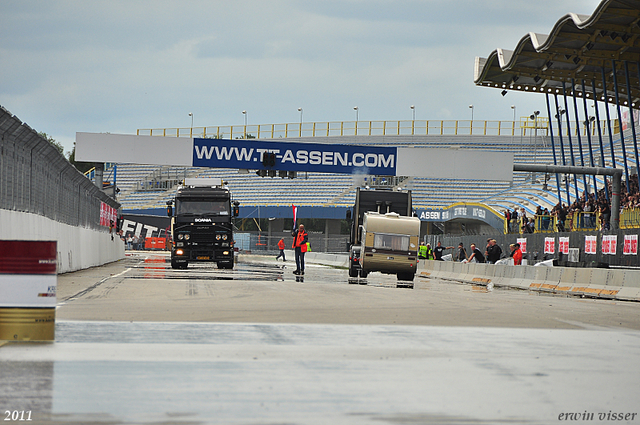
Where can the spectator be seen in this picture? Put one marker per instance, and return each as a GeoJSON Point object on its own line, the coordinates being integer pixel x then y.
{"type": "Point", "coordinates": [531, 226]}
{"type": "Point", "coordinates": [462, 253]}
{"type": "Point", "coordinates": [494, 252]}
{"type": "Point", "coordinates": [517, 255]}
{"type": "Point", "coordinates": [514, 221]}
{"type": "Point", "coordinates": [476, 254]}
{"type": "Point", "coordinates": [524, 221]}
{"type": "Point", "coordinates": [546, 219]}
{"type": "Point", "coordinates": [439, 250]}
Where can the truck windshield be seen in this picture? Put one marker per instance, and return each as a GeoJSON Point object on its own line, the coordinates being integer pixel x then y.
{"type": "Point", "coordinates": [393, 242]}
{"type": "Point", "coordinates": [201, 207]}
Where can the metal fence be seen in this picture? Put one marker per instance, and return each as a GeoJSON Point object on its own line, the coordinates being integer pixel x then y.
{"type": "Point", "coordinates": [36, 178]}
{"type": "Point", "coordinates": [536, 247]}
{"type": "Point", "coordinates": [261, 243]}
{"type": "Point", "coordinates": [520, 128]}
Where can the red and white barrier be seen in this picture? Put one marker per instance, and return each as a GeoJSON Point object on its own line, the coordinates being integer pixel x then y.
{"type": "Point", "coordinates": [28, 285]}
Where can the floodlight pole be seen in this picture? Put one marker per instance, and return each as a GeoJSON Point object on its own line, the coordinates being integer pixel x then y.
{"type": "Point", "coordinates": [616, 173]}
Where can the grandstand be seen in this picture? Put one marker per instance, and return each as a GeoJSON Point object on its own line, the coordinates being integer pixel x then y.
{"type": "Point", "coordinates": [147, 187]}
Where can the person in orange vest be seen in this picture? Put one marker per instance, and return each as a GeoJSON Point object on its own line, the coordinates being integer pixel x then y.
{"type": "Point", "coordinates": [517, 255]}
{"type": "Point", "coordinates": [281, 248]}
{"type": "Point", "coordinates": [300, 239]}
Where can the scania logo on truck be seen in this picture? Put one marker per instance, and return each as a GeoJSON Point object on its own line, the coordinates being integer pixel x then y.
{"type": "Point", "coordinates": [201, 220]}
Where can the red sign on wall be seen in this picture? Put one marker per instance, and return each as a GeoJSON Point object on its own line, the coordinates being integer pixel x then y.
{"type": "Point", "coordinates": [630, 245]}
{"type": "Point", "coordinates": [108, 215]}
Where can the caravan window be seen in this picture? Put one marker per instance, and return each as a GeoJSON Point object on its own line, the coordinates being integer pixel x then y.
{"type": "Point", "coordinates": [393, 242]}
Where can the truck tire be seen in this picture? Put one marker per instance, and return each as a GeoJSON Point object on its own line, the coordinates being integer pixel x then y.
{"type": "Point", "coordinates": [363, 274]}
{"type": "Point", "coordinates": [406, 276]}
{"type": "Point", "coordinates": [353, 272]}
{"type": "Point", "coordinates": [174, 265]}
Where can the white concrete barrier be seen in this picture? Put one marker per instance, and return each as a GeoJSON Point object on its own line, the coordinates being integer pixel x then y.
{"type": "Point", "coordinates": [78, 247]}
{"type": "Point", "coordinates": [605, 283]}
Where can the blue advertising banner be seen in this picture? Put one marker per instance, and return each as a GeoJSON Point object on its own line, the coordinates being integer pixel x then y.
{"type": "Point", "coordinates": [311, 157]}
{"type": "Point", "coordinates": [464, 211]}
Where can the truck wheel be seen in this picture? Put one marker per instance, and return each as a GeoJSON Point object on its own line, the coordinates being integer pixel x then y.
{"type": "Point", "coordinates": [406, 276]}
{"type": "Point", "coordinates": [353, 272]}
{"type": "Point", "coordinates": [174, 265]}
{"type": "Point", "coordinates": [363, 274]}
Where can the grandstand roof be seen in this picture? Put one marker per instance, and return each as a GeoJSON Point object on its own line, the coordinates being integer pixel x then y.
{"type": "Point", "coordinates": [578, 47]}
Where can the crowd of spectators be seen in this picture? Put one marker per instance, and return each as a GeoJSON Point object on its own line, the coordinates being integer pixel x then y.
{"type": "Point", "coordinates": [585, 210]}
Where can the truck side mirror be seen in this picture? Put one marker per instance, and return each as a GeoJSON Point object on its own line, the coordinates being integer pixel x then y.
{"type": "Point", "coordinates": [236, 208]}
{"type": "Point", "coordinates": [348, 216]}
{"type": "Point", "coordinates": [169, 209]}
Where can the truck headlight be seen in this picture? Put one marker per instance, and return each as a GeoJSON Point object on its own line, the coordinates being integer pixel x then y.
{"type": "Point", "coordinates": [187, 236]}
{"type": "Point", "coordinates": [217, 237]}
{"type": "Point", "coordinates": [224, 237]}
{"type": "Point", "coordinates": [179, 252]}
{"type": "Point", "coordinates": [180, 236]}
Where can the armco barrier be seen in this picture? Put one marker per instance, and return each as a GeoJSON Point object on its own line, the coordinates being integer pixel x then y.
{"type": "Point", "coordinates": [78, 247]}
{"type": "Point", "coordinates": [590, 282]}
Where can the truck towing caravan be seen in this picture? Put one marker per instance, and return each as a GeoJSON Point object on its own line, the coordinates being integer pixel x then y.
{"type": "Point", "coordinates": [390, 244]}
{"type": "Point", "coordinates": [384, 235]}
{"type": "Point", "coordinates": [201, 226]}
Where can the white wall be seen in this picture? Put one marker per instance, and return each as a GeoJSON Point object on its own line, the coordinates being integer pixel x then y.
{"type": "Point", "coordinates": [78, 248]}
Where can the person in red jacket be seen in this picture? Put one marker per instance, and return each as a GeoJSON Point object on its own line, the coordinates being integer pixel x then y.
{"type": "Point", "coordinates": [517, 255]}
{"type": "Point", "coordinates": [281, 248]}
{"type": "Point", "coordinates": [300, 239]}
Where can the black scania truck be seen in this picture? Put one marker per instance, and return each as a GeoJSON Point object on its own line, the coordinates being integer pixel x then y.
{"type": "Point", "coordinates": [201, 226]}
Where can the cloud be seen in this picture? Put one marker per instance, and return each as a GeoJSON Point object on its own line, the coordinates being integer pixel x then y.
{"type": "Point", "coordinates": [118, 66]}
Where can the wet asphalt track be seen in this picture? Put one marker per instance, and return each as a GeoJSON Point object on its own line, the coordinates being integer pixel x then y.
{"type": "Point", "coordinates": [137, 342]}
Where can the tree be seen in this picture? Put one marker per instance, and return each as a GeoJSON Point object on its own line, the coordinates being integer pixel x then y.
{"type": "Point", "coordinates": [83, 167]}
{"type": "Point", "coordinates": [53, 142]}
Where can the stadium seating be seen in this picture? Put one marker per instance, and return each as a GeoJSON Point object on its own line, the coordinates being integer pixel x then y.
{"type": "Point", "coordinates": [322, 189]}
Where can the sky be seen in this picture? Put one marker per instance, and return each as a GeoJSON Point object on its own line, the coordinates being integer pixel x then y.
{"type": "Point", "coordinates": [118, 66]}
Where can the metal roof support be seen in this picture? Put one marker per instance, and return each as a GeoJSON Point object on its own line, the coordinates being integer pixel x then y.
{"type": "Point", "coordinates": [564, 161]}
{"type": "Point", "coordinates": [595, 106]}
{"type": "Point", "coordinates": [615, 172]}
{"type": "Point", "coordinates": [575, 111]}
{"type": "Point", "coordinates": [606, 108]}
{"type": "Point", "coordinates": [553, 148]}
{"type": "Point", "coordinates": [624, 151]}
{"type": "Point", "coordinates": [573, 157]}
{"type": "Point", "coordinates": [633, 125]}
{"type": "Point", "coordinates": [587, 125]}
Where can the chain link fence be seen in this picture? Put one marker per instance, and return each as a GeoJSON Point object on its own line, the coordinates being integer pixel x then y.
{"type": "Point", "coordinates": [261, 243]}
{"type": "Point", "coordinates": [36, 178]}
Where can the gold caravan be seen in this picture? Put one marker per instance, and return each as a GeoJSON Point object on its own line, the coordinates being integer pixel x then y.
{"type": "Point", "coordinates": [390, 244]}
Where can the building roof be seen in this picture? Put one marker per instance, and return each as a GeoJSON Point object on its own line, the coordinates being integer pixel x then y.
{"type": "Point", "coordinates": [578, 48]}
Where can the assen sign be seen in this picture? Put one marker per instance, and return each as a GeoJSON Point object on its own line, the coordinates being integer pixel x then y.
{"type": "Point", "coordinates": [314, 157]}
{"type": "Point", "coordinates": [296, 156]}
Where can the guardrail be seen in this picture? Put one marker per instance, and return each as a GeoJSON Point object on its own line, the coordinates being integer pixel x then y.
{"type": "Point", "coordinates": [524, 127]}
{"type": "Point", "coordinates": [629, 219]}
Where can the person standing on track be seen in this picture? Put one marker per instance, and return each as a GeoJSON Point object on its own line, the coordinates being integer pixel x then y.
{"type": "Point", "coordinates": [300, 239]}
{"type": "Point", "coordinates": [281, 248]}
